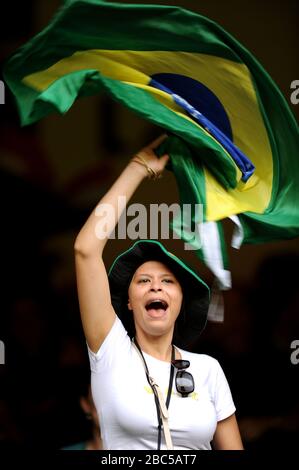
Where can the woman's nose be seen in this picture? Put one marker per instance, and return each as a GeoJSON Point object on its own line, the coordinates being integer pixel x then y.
{"type": "Point", "coordinates": [156, 286]}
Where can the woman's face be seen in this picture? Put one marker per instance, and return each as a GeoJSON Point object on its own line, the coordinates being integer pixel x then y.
{"type": "Point", "coordinates": [155, 297]}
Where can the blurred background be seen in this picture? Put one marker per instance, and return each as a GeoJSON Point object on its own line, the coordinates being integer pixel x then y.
{"type": "Point", "coordinates": [53, 173]}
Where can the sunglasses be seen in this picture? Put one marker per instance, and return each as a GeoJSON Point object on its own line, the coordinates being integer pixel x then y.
{"type": "Point", "coordinates": [184, 381]}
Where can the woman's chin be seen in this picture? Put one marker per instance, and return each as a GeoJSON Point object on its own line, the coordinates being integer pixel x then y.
{"type": "Point", "coordinates": [157, 327]}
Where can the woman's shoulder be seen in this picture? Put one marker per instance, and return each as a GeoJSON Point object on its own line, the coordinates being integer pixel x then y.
{"type": "Point", "coordinates": [199, 359]}
{"type": "Point", "coordinates": [203, 365]}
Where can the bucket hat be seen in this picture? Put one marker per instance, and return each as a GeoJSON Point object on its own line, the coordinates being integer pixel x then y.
{"type": "Point", "coordinates": [196, 294]}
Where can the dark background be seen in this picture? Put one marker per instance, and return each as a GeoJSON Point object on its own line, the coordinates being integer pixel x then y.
{"type": "Point", "coordinates": [53, 173]}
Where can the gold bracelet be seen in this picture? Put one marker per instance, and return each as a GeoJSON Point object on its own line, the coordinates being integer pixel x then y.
{"type": "Point", "coordinates": [152, 174]}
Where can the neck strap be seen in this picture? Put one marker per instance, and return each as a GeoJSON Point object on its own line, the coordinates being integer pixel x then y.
{"type": "Point", "coordinates": [161, 406]}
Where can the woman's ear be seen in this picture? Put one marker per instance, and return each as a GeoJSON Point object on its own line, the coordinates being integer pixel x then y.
{"type": "Point", "coordinates": [129, 305]}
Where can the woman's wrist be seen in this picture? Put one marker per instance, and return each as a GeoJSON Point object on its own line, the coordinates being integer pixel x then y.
{"type": "Point", "coordinates": [138, 168]}
{"type": "Point", "coordinates": [150, 172]}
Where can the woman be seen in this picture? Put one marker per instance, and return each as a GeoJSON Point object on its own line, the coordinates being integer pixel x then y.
{"type": "Point", "coordinates": [152, 296]}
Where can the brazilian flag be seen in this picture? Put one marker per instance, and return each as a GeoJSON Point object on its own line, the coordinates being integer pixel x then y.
{"type": "Point", "coordinates": [234, 142]}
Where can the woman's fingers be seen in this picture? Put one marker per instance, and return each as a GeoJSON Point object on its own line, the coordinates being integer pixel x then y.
{"type": "Point", "coordinates": [164, 159]}
{"type": "Point", "coordinates": [157, 141]}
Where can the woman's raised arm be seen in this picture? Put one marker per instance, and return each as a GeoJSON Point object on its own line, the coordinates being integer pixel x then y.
{"type": "Point", "coordinates": [96, 310]}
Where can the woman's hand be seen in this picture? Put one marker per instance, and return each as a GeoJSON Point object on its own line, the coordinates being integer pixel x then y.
{"type": "Point", "coordinates": [153, 165]}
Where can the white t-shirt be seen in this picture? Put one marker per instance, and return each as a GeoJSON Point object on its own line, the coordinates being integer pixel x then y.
{"type": "Point", "coordinates": [125, 402]}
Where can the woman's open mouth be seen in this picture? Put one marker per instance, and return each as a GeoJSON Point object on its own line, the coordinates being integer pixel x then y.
{"type": "Point", "coordinates": [156, 308]}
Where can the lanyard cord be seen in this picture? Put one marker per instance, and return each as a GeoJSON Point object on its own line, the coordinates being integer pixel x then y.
{"type": "Point", "coordinates": [159, 411]}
